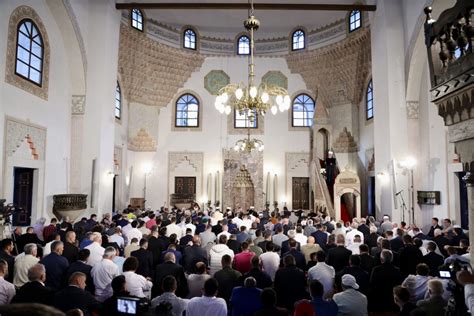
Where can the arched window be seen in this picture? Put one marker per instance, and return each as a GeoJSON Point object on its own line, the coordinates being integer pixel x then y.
{"type": "Point", "coordinates": [118, 102]}
{"type": "Point", "coordinates": [354, 20]}
{"type": "Point", "coordinates": [245, 119]}
{"type": "Point", "coordinates": [243, 45]}
{"type": "Point", "coordinates": [370, 101]}
{"type": "Point", "coordinates": [298, 40]}
{"type": "Point", "coordinates": [187, 111]}
{"type": "Point", "coordinates": [189, 39]}
{"type": "Point", "coordinates": [302, 111]}
{"type": "Point", "coordinates": [29, 52]}
{"type": "Point", "coordinates": [137, 19]}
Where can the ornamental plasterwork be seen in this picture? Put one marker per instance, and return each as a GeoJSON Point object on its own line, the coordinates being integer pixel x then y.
{"type": "Point", "coordinates": [194, 159]}
{"type": "Point", "coordinates": [78, 104]}
{"type": "Point", "coordinates": [20, 13]}
{"type": "Point", "coordinates": [142, 141]}
{"type": "Point", "coordinates": [338, 71]}
{"type": "Point", "coordinates": [275, 78]}
{"type": "Point", "coordinates": [345, 143]}
{"type": "Point", "coordinates": [413, 109]}
{"type": "Point", "coordinates": [226, 46]}
{"type": "Point", "coordinates": [295, 161]}
{"type": "Point", "coordinates": [17, 131]}
{"type": "Point", "coordinates": [215, 80]}
{"type": "Point", "coordinates": [151, 72]}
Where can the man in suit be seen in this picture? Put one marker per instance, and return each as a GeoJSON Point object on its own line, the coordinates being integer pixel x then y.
{"type": "Point", "coordinates": [320, 236]}
{"type": "Point", "coordinates": [434, 225]}
{"type": "Point", "coordinates": [432, 259]}
{"type": "Point", "coordinates": [363, 228]}
{"type": "Point", "coordinates": [145, 259]}
{"type": "Point", "coordinates": [169, 267]}
{"type": "Point", "coordinates": [441, 241]}
{"type": "Point", "coordinates": [338, 257]}
{"type": "Point", "coordinates": [56, 266]}
{"type": "Point", "coordinates": [70, 250]}
{"type": "Point", "coordinates": [357, 272]}
{"type": "Point", "coordinates": [285, 246]}
{"type": "Point", "coordinates": [299, 257]}
{"type": "Point", "coordinates": [367, 262]}
{"type": "Point", "coordinates": [382, 281]}
{"type": "Point", "coordinates": [81, 266]}
{"type": "Point", "coordinates": [154, 245]}
{"type": "Point", "coordinates": [290, 284]}
{"type": "Point", "coordinates": [74, 296]}
{"type": "Point", "coordinates": [28, 238]}
{"type": "Point", "coordinates": [6, 248]}
{"type": "Point", "coordinates": [397, 243]}
{"type": "Point", "coordinates": [34, 291]}
{"type": "Point", "coordinates": [410, 257]}
{"type": "Point", "coordinates": [193, 255]}
{"type": "Point", "coordinates": [417, 233]}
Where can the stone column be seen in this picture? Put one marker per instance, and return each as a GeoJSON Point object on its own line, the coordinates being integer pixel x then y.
{"type": "Point", "coordinates": [77, 127]}
{"type": "Point", "coordinates": [469, 178]}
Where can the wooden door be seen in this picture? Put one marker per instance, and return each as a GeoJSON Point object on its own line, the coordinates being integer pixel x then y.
{"type": "Point", "coordinates": [185, 185]}
{"type": "Point", "coordinates": [23, 195]}
{"type": "Point", "coordinates": [300, 188]}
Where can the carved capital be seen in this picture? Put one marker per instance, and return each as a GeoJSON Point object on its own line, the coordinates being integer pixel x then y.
{"type": "Point", "coordinates": [78, 104]}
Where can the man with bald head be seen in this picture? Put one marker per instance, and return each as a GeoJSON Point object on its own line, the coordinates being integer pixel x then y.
{"type": "Point", "coordinates": [75, 296]}
{"type": "Point", "coordinates": [34, 291]}
{"type": "Point", "coordinates": [310, 247]}
{"type": "Point", "coordinates": [194, 254]}
{"type": "Point", "coordinates": [169, 267]}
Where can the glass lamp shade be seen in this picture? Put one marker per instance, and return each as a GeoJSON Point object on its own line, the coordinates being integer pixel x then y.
{"type": "Point", "coordinates": [228, 109]}
{"type": "Point", "coordinates": [239, 93]}
{"type": "Point", "coordinates": [253, 92]}
{"type": "Point", "coordinates": [274, 109]}
{"type": "Point", "coordinates": [279, 100]}
{"type": "Point", "coordinates": [265, 97]}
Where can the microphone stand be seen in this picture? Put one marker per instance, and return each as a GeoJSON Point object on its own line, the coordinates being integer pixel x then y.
{"type": "Point", "coordinates": [404, 206]}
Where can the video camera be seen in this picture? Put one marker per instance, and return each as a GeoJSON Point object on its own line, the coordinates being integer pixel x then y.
{"type": "Point", "coordinates": [11, 214]}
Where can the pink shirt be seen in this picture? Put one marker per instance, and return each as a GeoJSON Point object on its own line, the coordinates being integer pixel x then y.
{"type": "Point", "coordinates": [242, 261]}
{"type": "Point", "coordinates": [150, 223]}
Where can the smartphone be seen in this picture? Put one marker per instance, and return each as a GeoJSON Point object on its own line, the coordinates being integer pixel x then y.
{"type": "Point", "coordinates": [445, 274]}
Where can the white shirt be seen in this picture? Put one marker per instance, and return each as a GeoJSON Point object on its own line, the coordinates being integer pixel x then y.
{"type": "Point", "coordinates": [351, 303]}
{"type": "Point", "coordinates": [207, 306]}
{"type": "Point", "coordinates": [226, 233]}
{"type": "Point", "coordinates": [97, 253]}
{"type": "Point", "coordinates": [354, 247]}
{"type": "Point", "coordinates": [174, 229]}
{"type": "Point", "coordinates": [117, 239]}
{"type": "Point", "coordinates": [133, 233]}
{"type": "Point", "coordinates": [103, 273]}
{"type": "Point", "coordinates": [22, 265]}
{"type": "Point", "coordinates": [190, 225]}
{"type": "Point", "coordinates": [325, 274]}
{"type": "Point", "coordinates": [7, 291]}
{"type": "Point", "coordinates": [247, 223]}
{"type": "Point", "coordinates": [301, 238]}
{"type": "Point", "coordinates": [47, 248]}
{"type": "Point", "coordinates": [270, 263]}
{"type": "Point", "coordinates": [179, 304]}
{"type": "Point", "coordinates": [351, 234]}
{"type": "Point", "coordinates": [137, 284]}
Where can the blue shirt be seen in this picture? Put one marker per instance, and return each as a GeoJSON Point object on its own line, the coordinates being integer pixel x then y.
{"type": "Point", "coordinates": [324, 307]}
{"type": "Point", "coordinates": [84, 243]}
{"type": "Point", "coordinates": [56, 267]}
{"type": "Point", "coordinates": [245, 301]}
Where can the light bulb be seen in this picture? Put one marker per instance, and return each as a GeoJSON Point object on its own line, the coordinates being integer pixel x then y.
{"type": "Point", "coordinates": [221, 109]}
{"type": "Point", "coordinates": [239, 94]}
{"type": "Point", "coordinates": [274, 109]}
{"type": "Point", "coordinates": [236, 147]}
{"type": "Point", "coordinates": [228, 109]}
{"type": "Point", "coordinates": [279, 100]}
{"type": "Point", "coordinates": [217, 104]}
{"type": "Point", "coordinates": [224, 97]}
{"type": "Point", "coordinates": [265, 97]}
{"type": "Point", "coordinates": [253, 92]}
{"type": "Point", "coordinates": [281, 107]}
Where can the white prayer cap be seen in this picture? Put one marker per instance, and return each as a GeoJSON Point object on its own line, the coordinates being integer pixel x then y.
{"type": "Point", "coordinates": [349, 281]}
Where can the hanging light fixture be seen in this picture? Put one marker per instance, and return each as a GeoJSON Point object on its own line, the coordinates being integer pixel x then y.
{"type": "Point", "coordinates": [248, 144]}
{"type": "Point", "coordinates": [249, 99]}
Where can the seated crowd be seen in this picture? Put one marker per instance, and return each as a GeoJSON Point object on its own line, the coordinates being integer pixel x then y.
{"type": "Point", "coordinates": [205, 262]}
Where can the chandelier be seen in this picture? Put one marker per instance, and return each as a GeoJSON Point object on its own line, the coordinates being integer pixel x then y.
{"type": "Point", "coordinates": [250, 99]}
{"type": "Point", "coordinates": [248, 144]}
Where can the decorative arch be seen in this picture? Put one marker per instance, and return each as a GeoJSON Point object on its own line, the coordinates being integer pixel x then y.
{"type": "Point", "coordinates": [347, 182]}
{"type": "Point", "coordinates": [18, 15]}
